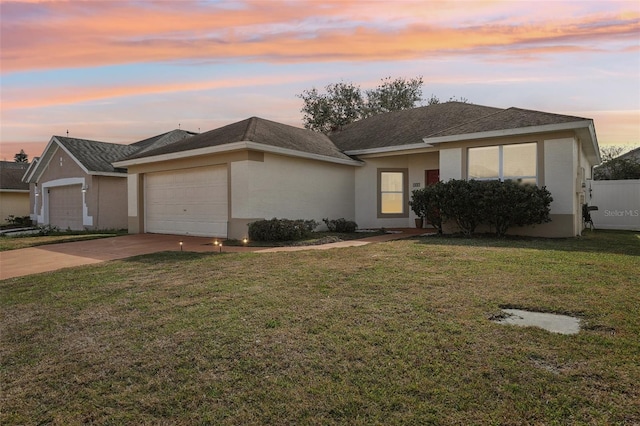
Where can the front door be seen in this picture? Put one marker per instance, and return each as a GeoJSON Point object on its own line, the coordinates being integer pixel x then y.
{"type": "Point", "coordinates": [431, 176]}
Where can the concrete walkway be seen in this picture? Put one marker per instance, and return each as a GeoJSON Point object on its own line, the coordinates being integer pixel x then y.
{"type": "Point", "coordinates": [35, 260]}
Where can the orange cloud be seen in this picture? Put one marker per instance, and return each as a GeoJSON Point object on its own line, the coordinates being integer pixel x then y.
{"type": "Point", "coordinates": [42, 97]}
{"type": "Point", "coordinates": [85, 34]}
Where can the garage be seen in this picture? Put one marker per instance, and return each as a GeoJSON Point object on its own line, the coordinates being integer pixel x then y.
{"type": "Point", "coordinates": [187, 202]}
{"type": "Point", "coordinates": [65, 207]}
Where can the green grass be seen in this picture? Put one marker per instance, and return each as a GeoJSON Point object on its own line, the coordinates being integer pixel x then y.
{"type": "Point", "coordinates": [390, 333]}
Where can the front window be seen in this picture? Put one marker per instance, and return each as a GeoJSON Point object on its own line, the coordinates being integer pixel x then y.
{"type": "Point", "coordinates": [504, 162]}
{"type": "Point", "coordinates": [392, 193]}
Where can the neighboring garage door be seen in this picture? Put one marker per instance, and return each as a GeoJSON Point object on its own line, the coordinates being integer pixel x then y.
{"type": "Point", "coordinates": [65, 207]}
{"type": "Point", "coordinates": [187, 202]}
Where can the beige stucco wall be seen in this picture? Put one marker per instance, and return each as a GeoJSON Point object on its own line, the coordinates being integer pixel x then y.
{"type": "Point", "coordinates": [291, 188]}
{"type": "Point", "coordinates": [366, 190]}
{"type": "Point", "coordinates": [109, 196]}
{"type": "Point", "coordinates": [13, 203]}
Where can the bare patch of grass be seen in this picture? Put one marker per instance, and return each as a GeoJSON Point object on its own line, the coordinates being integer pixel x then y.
{"type": "Point", "coordinates": [393, 333]}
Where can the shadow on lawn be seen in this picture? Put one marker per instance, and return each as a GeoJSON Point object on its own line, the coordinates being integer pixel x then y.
{"type": "Point", "coordinates": [168, 257]}
{"type": "Point", "coordinates": [597, 241]}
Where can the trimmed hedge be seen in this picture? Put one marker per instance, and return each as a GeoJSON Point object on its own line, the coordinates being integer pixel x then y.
{"type": "Point", "coordinates": [281, 229]}
{"type": "Point", "coordinates": [340, 225]}
{"type": "Point", "coordinates": [471, 203]}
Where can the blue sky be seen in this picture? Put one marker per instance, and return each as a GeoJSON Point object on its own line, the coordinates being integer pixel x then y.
{"type": "Point", "coordinates": [120, 71]}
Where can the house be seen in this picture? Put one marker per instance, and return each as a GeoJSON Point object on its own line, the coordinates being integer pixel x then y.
{"type": "Point", "coordinates": [215, 183]}
{"type": "Point", "coordinates": [14, 194]}
{"type": "Point", "coordinates": [75, 186]}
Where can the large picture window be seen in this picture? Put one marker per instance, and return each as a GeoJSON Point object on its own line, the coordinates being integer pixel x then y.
{"type": "Point", "coordinates": [516, 162]}
{"type": "Point", "coordinates": [392, 193]}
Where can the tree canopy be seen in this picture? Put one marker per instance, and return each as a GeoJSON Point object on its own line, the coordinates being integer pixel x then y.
{"type": "Point", "coordinates": [616, 166]}
{"type": "Point", "coordinates": [344, 103]}
{"type": "Point", "coordinates": [21, 157]}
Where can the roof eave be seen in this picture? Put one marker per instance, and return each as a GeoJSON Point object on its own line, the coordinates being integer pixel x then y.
{"type": "Point", "coordinates": [386, 149]}
{"type": "Point", "coordinates": [573, 125]}
{"type": "Point", "coordinates": [235, 146]}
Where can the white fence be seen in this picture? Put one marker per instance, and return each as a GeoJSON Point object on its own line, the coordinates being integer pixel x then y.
{"type": "Point", "coordinates": [618, 203]}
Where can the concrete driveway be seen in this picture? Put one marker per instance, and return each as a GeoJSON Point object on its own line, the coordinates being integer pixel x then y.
{"type": "Point", "coordinates": [35, 260]}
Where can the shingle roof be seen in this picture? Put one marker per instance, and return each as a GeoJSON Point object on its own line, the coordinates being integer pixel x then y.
{"type": "Point", "coordinates": [511, 118]}
{"type": "Point", "coordinates": [256, 130]}
{"type": "Point", "coordinates": [11, 176]}
{"type": "Point", "coordinates": [162, 140]}
{"type": "Point", "coordinates": [408, 126]}
{"type": "Point", "coordinates": [96, 156]}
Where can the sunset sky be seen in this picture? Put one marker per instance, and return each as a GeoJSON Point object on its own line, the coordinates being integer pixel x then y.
{"type": "Point", "coordinates": [121, 71]}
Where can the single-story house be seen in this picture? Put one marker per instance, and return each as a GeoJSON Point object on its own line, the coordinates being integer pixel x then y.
{"type": "Point", "coordinates": [75, 186]}
{"type": "Point", "coordinates": [14, 194]}
{"type": "Point", "coordinates": [215, 183]}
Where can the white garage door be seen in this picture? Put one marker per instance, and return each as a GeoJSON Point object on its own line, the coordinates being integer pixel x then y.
{"type": "Point", "coordinates": [65, 207]}
{"type": "Point", "coordinates": [187, 202]}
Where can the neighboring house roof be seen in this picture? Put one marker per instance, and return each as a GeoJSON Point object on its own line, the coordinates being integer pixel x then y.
{"type": "Point", "coordinates": [634, 154]}
{"type": "Point", "coordinates": [406, 127]}
{"type": "Point", "coordinates": [11, 176]}
{"type": "Point", "coordinates": [252, 133]}
{"type": "Point", "coordinates": [96, 157]}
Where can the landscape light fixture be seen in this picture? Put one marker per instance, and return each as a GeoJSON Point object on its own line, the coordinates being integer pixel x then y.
{"type": "Point", "coordinates": [180, 245]}
{"type": "Point", "coordinates": [245, 240]}
{"type": "Point", "coordinates": [220, 247]}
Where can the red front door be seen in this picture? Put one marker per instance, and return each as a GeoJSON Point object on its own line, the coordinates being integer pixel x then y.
{"type": "Point", "coordinates": [431, 177]}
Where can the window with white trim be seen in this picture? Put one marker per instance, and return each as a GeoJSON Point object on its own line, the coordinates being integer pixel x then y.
{"type": "Point", "coordinates": [516, 162]}
{"type": "Point", "coordinates": [393, 193]}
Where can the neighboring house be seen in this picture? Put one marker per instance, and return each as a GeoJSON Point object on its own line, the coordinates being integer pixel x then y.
{"type": "Point", "coordinates": [75, 186]}
{"type": "Point", "coordinates": [215, 183]}
{"type": "Point", "coordinates": [14, 194]}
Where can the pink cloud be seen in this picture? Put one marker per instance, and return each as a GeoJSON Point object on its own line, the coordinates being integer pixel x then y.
{"type": "Point", "coordinates": [85, 34]}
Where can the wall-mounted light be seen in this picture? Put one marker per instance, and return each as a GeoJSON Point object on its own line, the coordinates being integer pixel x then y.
{"type": "Point", "coordinates": [84, 188]}
{"type": "Point", "coordinates": [37, 194]}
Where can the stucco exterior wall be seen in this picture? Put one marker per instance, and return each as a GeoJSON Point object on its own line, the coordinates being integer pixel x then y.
{"type": "Point", "coordinates": [109, 195]}
{"type": "Point", "coordinates": [366, 190]}
{"type": "Point", "coordinates": [13, 203]}
{"type": "Point", "coordinates": [450, 164]}
{"type": "Point", "coordinates": [291, 188]}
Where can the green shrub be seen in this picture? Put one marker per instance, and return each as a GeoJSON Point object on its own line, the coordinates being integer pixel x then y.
{"type": "Point", "coordinates": [281, 229]}
{"type": "Point", "coordinates": [341, 225]}
{"type": "Point", "coordinates": [18, 220]}
{"type": "Point", "coordinates": [45, 230]}
{"type": "Point", "coordinates": [511, 203]}
{"type": "Point", "coordinates": [427, 203]}
{"type": "Point", "coordinates": [462, 201]}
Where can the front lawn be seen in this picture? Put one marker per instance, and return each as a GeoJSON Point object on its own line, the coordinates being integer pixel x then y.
{"type": "Point", "coordinates": [389, 333]}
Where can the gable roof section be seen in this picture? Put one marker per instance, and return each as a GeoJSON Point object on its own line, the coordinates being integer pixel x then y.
{"type": "Point", "coordinates": [11, 176]}
{"type": "Point", "coordinates": [252, 133]}
{"type": "Point", "coordinates": [93, 157]}
{"type": "Point", "coordinates": [406, 127]}
{"type": "Point", "coordinates": [507, 119]}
